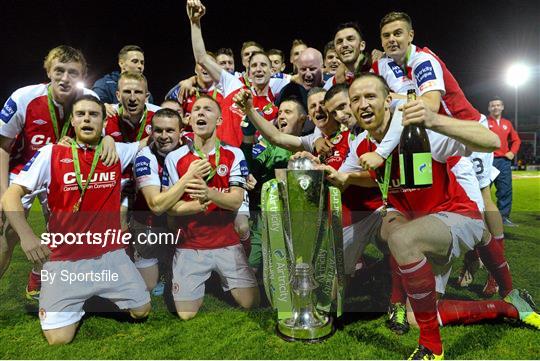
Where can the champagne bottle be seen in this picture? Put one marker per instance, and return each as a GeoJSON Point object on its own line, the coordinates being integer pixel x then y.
{"type": "Point", "coordinates": [414, 155]}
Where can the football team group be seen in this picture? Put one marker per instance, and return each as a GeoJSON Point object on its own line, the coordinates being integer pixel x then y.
{"type": "Point", "coordinates": [108, 161]}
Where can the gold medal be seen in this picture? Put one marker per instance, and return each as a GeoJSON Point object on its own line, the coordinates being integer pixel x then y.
{"type": "Point", "coordinates": [383, 209]}
{"type": "Point", "coordinates": [77, 206]}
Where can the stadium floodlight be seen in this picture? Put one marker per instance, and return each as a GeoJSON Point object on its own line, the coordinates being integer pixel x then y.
{"type": "Point", "coordinates": [517, 75]}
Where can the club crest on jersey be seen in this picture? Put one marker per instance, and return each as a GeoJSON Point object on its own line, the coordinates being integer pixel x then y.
{"type": "Point", "coordinates": [337, 139]}
{"type": "Point", "coordinates": [222, 170]}
{"type": "Point", "coordinates": [66, 160]}
{"type": "Point", "coordinates": [175, 288]}
{"type": "Point", "coordinates": [39, 122]}
{"type": "Point", "coordinates": [9, 109]}
{"type": "Point", "coordinates": [148, 129]}
{"type": "Point", "coordinates": [42, 314]}
{"type": "Point", "coordinates": [268, 111]}
{"type": "Point", "coordinates": [505, 127]}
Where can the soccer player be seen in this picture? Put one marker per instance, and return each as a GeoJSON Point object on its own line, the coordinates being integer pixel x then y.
{"type": "Point", "coordinates": [208, 210]}
{"type": "Point", "coordinates": [331, 61]}
{"type": "Point", "coordinates": [130, 58]}
{"type": "Point", "coordinates": [84, 204]}
{"type": "Point", "coordinates": [31, 118]}
{"type": "Point", "coordinates": [350, 45]}
{"type": "Point", "coordinates": [406, 66]}
{"type": "Point", "coordinates": [259, 70]}
{"type": "Point", "coordinates": [188, 90]}
{"type": "Point", "coordinates": [277, 58]}
{"type": "Point", "coordinates": [434, 221]}
{"type": "Point", "coordinates": [225, 59]}
{"type": "Point", "coordinates": [130, 123]}
{"type": "Point", "coordinates": [155, 196]}
{"type": "Point", "coordinates": [297, 47]}
{"type": "Point", "coordinates": [268, 154]}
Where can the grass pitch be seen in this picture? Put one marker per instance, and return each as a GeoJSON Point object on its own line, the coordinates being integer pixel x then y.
{"type": "Point", "coordinates": [221, 331]}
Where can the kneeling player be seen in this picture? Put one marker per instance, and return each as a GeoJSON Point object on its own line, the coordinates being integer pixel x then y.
{"type": "Point", "coordinates": [84, 204]}
{"type": "Point", "coordinates": [435, 221]}
{"type": "Point", "coordinates": [207, 210]}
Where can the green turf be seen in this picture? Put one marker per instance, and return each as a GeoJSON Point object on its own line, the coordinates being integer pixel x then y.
{"type": "Point", "coordinates": [223, 332]}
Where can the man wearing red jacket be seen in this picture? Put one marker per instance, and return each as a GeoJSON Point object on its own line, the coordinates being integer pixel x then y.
{"type": "Point", "coordinates": [504, 156]}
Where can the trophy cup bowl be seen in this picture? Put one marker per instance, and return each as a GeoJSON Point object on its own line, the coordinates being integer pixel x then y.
{"type": "Point", "coordinates": [303, 193]}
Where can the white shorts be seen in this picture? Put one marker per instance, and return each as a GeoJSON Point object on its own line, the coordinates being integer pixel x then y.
{"type": "Point", "coordinates": [61, 303]}
{"type": "Point", "coordinates": [28, 199]}
{"type": "Point", "coordinates": [357, 236]}
{"type": "Point", "coordinates": [466, 233]}
{"type": "Point", "coordinates": [191, 269]}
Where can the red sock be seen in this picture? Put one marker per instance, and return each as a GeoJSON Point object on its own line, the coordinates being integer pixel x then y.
{"type": "Point", "coordinates": [499, 240]}
{"type": "Point", "coordinates": [34, 281]}
{"type": "Point", "coordinates": [398, 294]}
{"type": "Point", "coordinates": [469, 312]}
{"type": "Point", "coordinates": [492, 256]}
{"type": "Point", "coordinates": [419, 282]}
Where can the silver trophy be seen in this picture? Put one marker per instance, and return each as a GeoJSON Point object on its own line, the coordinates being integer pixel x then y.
{"type": "Point", "coordinates": [303, 196]}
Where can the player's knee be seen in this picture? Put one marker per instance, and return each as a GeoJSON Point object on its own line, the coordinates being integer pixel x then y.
{"type": "Point", "coordinates": [59, 337]}
{"type": "Point", "coordinates": [247, 297]}
{"type": "Point", "coordinates": [141, 312]}
{"type": "Point", "coordinates": [399, 240]}
{"type": "Point", "coordinates": [187, 315]}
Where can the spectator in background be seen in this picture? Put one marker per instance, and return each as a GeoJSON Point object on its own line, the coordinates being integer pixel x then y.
{"type": "Point", "coordinates": [298, 46]}
{"type": "Point", "coordinates": [504, 156]}
{"type": "Point", "coordinates": [130, 58]}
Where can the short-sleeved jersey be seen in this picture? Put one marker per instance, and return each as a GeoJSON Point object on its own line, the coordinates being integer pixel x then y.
{"type": "Point", "coordinates": [425, 72]}
{"type": "Point", "coordinates": [455, 188]}
{"type": "Point", "coordinates": [124, 131]}
{"type": "Point", "coordinates": [149, 170]}
{"type": "Point", "coordinates": [230, 131]}
{"type": "Point", "coordinates": [26, 118]}
{"type": "Point", "coordinates": [340, 140]}
{"type": "Point", "coordinates": [215, 227]}
{"type": "Point", "coordinates": [357, 202]}
{"type": "Point", "coordinates": [52, 167]}
{"type": "Point", "coordinates": [187, 104]}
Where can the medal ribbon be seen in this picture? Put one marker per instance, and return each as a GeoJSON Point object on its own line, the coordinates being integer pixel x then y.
{"type": "Point", "coordinates": [77, 166]}
{"type": "Point", "coordinates": [143, 121]}
{"type": "Point", "coordinates": [201, 155]}
{"type": "Point", "coordinates": [386, 182]}
{"type": "Point", "coordinates": [54, 120]}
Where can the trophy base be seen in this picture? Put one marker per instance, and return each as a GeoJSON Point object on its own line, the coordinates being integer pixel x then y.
{"type": "Point", "coordinates": [310, 335]}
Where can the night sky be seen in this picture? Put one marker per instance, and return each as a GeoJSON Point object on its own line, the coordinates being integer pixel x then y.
{"type": "Point", "coordinates": [476, 39]}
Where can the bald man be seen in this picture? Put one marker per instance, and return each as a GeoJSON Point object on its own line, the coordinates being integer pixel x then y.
{"type": "Point", "coordinates": [309, 64]}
